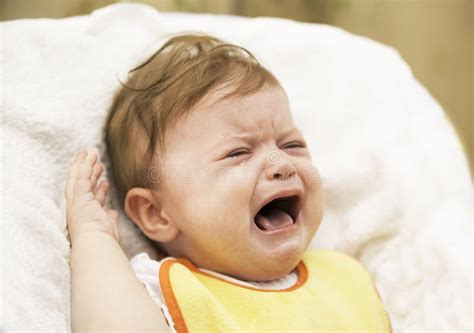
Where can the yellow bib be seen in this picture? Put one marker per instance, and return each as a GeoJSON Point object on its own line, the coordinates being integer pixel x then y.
{"type": "Point", "coordinates": [333, 293]}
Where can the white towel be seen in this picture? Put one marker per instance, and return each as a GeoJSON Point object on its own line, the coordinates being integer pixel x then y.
{"type": "Point", "coordinates": [396, 180]}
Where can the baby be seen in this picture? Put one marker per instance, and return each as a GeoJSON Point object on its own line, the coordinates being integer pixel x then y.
{"type": "Point", "coordinates": [210, 166]}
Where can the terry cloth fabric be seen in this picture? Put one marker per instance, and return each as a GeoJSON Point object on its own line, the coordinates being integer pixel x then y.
{"type": "Point", "coordinates": [396, 182]}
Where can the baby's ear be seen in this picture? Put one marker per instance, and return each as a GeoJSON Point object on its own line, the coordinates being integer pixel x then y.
{"type": "Point", "coordinates": [144, 209]}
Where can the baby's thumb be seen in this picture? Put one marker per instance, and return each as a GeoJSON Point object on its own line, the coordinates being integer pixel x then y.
{"type": "Point", "coordinates": [114, 219]}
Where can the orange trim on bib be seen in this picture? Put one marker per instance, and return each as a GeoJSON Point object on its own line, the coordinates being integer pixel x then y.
{"type": "Point", "coordinates": [169, 296]}
{"type": "Point", "coordinates": [172, 303]}
{"type": "Point", "coordinates": [385, 311]}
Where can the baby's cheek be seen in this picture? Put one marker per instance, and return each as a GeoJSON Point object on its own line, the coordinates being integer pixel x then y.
{"type": "Point", "coordinates": [233, 175]}
{"type": "Point", "coordinates": [187, 197]}
{"type": "Point", "coordinates": [314, 190]}
{"type": "Point", "coordinates": [310, 175]}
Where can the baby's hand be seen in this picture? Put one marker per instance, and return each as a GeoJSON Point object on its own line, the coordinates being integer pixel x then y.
{"type": "Point", "coordinates": [85, 199]}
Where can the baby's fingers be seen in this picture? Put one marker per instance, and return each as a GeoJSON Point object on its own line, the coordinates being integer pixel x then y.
{"type": "Point", "coordinates": [96, 173]}
{"type": "Point", "coordinates": [101, 192]}
{"type": "Point", "coordinates": [82, 181]}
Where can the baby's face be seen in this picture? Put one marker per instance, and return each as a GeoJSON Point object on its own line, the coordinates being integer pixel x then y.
{"type": "Point", "coordinates": [239, 185]}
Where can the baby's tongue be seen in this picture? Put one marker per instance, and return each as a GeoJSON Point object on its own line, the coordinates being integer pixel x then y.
{"type": "Point", "coordinates": [274, 218]}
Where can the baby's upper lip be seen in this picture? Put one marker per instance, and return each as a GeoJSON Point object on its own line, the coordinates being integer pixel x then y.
{"type": "Point", "coordinates": [286, 192]}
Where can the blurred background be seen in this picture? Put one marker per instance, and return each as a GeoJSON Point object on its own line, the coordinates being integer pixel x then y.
{"type": "Point", "coordinates": [435, 37]}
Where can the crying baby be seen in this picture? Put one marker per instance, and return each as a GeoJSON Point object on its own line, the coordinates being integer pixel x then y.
{"type": "Point", "coordinates": [208, 163]}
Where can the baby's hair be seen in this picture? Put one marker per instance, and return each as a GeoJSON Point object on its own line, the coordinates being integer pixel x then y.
{"type": "Point", "coordinates": [165, 87]}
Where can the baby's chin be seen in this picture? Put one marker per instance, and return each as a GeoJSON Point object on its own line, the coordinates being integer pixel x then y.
{"type": "Point", "coordinates": [265, 271]}
{"type": "Point", "coordinates": [263, 276]}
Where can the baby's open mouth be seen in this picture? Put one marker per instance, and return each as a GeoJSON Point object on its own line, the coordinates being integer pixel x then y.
{"type": "Point", "coordinates": [278, 213]}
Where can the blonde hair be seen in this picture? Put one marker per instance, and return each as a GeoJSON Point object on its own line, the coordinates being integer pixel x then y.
{"type": "Point", "coordinates": [162, 89]}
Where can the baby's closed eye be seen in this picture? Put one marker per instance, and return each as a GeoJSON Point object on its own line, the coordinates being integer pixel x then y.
{"type": "Point", "coordinates": [238, 152]}
{"type": "Point", "coordinates": [294, 144]}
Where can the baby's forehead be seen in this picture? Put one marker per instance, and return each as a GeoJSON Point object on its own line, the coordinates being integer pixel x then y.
{"type": "Point", "coordinates": [221, 127]}
{"type": "Point", "coordinates": [264, 110]}
{"type": "Point", "coordinates": [244, 111]}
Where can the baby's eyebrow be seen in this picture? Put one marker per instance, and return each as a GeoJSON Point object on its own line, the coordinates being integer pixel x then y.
{"type": "Point", "coordinates": [232, 137]}
{"type": "Point", "coordinates": [246, 136]}
{"type": "Point", "coordinates": [252, 137]}
{"type": "Point", "coordinates": [292, 130]}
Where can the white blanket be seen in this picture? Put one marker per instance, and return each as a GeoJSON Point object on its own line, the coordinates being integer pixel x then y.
{"type": "Point", "coordinates": [396, 181]}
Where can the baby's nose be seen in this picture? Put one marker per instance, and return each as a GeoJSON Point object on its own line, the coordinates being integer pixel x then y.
{"type": "Point", "coordinates": [279, 166]}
